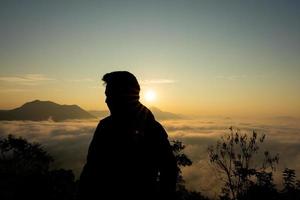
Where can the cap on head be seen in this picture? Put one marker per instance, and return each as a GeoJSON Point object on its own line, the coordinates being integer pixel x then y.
{"type": "Point", "coordinates": [122, 84]}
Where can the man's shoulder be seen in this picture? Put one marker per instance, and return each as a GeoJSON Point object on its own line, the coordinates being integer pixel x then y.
{"type": "Point", "coordinates": [154, 123]}
{"type": "Point", "coordinates": [156, 128]}
{"type": "Point", "coordinates": [104, 122]}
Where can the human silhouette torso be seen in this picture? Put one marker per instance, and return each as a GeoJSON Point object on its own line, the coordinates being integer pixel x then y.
{"type": "Point", "coordinates": [129, 157]}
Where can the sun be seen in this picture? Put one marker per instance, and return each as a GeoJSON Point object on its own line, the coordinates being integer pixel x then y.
{"type": "Point", "coordinates": [150, 96]}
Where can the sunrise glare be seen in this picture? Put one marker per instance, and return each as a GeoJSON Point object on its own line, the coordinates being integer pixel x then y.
{"type": "Point", "coordinates": [150, 96]}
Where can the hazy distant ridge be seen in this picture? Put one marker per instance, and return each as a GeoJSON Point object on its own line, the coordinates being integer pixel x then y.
{"type": "Point", "coordinates": [159, 114]}
{"type": "Point", "coordinates": [162, 115]}
{"type": "Point", "coordinates": [44, 110]}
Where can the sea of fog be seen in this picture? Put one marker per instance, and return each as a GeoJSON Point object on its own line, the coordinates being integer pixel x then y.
{"type": "Point", "coordinates": [68, 142]}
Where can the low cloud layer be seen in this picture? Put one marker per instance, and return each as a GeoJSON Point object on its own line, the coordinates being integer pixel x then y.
{"type": "Point", "coordinates": [68, 143]}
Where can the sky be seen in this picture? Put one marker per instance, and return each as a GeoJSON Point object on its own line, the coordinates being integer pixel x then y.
{"type": "Point", "coordinates": [198, 57]}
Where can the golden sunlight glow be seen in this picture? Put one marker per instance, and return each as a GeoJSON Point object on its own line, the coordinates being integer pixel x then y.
{"type": "Point", "coordinates": [150, 95]}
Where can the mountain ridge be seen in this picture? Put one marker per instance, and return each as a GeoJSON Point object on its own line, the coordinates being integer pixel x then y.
{"type": "Point", "coordinates": [38, 110]}
{"type": "Point", "coordinates": [44, 110]}
{"type": "Point", "coordinates": [158, 114]}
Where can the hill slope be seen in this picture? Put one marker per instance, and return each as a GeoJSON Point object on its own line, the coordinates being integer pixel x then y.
{"type": "Point", "coordinates": [44, 110]}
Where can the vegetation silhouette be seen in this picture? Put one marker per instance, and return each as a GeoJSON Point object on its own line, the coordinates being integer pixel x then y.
{"type": "Point", "coordinates": [245, 172]}
{"type": "Point", "coordinates": [291, 188]}
{"type": "Point", "coordinates": [182, 160]}
{"type": "Point", "coordinates": [25, 174]}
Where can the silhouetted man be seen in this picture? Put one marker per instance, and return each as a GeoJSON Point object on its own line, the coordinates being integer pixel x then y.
{"type": "Point", "coordinates": [130, 156]}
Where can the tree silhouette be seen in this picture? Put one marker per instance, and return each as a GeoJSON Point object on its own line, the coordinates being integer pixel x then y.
{"type": "Point", "coordinates": [263, 188]}
{"type": "Point", "coordinates": [23, 166]}
{"type": "Point", "coordinates": [289, 181]}
{"type": "Point", "coordinates": [21, 157]}
{"type": "Point", "coordinates": [236, 157]}
{"type": "Point", "coordinates": [183, 160]}
{"type": "Point", "coordinates": [24, 173]}
{"type": "Point", "coordinates": [291, 188]}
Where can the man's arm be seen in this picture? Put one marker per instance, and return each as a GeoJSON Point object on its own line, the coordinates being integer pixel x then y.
{"type": "Point", "coordinates": [86, 177]}
{"type": "Point", "coordinates": [167, 164]}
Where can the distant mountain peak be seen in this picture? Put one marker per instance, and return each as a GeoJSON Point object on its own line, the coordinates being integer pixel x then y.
{"type": "Point", "coordinates": [35, 102]}
{"type": "Point", "coordinates": [38, 110]}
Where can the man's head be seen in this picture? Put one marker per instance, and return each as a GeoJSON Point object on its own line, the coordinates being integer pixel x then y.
{"type": "Point", "coordinates": [122, 89]}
